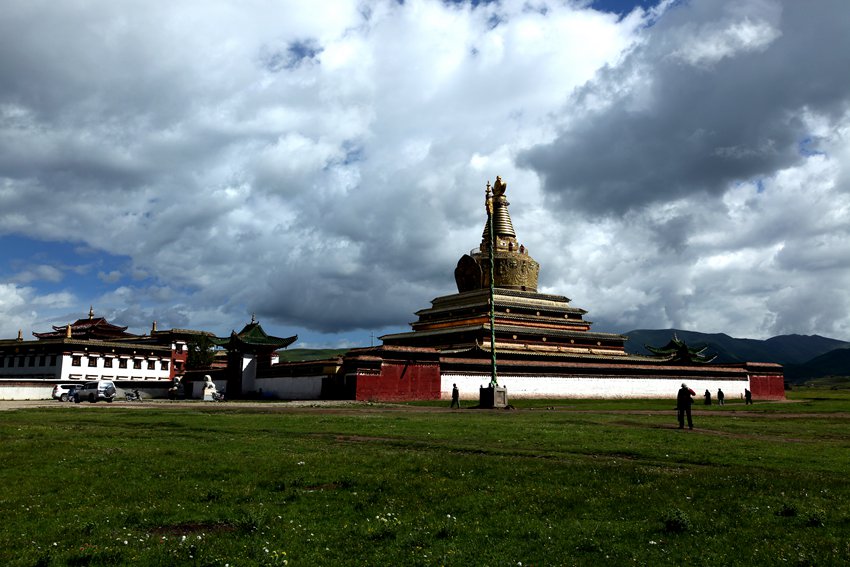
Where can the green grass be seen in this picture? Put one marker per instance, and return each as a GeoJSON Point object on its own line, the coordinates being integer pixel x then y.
{"type": "Point", "coordinates": [567, 482]}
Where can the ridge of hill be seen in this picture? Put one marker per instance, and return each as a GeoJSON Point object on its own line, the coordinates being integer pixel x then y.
{"type": "Point", "coordinates": [804, 356]}
{"type": "Point", "coordinates": [310, 354]}
{"type": "Point", "coordinates": [833, 363]}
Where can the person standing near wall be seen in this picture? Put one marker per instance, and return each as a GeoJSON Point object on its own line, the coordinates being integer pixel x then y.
{"type": "Point", "coordinates": [683, 406]}
{"type": "Point", "coordinates": [455, 396]}
{"type": "Point", "coordinates": [720, 396]}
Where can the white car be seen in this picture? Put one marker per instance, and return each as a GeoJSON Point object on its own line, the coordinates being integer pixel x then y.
{"type": "Point", "coordinates": [64, 392]}
{"type": "Point", "coordinates": [95, 391]}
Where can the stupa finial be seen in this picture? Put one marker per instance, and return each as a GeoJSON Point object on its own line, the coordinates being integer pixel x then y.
{"type": "Point", "coordinates": [497, 205]}
{"type": "Point", "coordinates": [514, 268]}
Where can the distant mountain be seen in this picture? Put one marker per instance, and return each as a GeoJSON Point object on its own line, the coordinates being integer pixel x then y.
{"type": "Point", "coordinates": [834, 363]}
{"type": "Point", "coordinates": [309, 354]}
{"type": "Point", "coordinates": [784, 349]}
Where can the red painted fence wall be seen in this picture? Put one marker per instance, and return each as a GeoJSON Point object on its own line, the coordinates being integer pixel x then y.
{"type": "Point", "coordinates": [400, 381]}
{"type": "Point", "coordinates": [767, 386]}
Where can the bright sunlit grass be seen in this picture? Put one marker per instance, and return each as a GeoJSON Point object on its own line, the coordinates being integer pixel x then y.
{"type": "Point", "coordinates": [550, 483]}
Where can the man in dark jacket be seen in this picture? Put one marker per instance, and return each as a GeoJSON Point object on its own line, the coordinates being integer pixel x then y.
{"type": "Point", "coordinates": [683, 406]}
{"type": "Point", "coordinates": [455, 396]}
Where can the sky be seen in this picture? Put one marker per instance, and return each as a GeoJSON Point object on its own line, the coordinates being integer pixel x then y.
{"type": "Point", "coordinates": [322, 166]}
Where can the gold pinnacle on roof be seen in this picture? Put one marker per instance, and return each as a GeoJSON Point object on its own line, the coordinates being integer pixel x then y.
{"type": "Point", "coordinates": [513, 267]}
{"type": "Point", "coordinates": [68, 331]}
{"type": "Point", "coordinates": [91, 312]}
{"type": "Point", "coordinates": [502, 225]}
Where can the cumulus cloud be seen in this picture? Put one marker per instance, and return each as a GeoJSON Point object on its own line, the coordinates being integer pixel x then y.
{"type": "Point", "coordinates": [324, 169]}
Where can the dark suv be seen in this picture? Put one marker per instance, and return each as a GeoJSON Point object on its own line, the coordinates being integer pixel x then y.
{"type": "Point", "coordinates": [95, 391]}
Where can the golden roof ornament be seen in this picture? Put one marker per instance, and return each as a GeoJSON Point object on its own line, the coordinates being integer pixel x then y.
{"type": "Point", "coordinates": [513, 267]}
{"type": "Point", "coordinates": [91, 312]}
{"type": "Point", "coordinates": [68, 331]}
{"type": "Point", "coordinates": [20, 335]}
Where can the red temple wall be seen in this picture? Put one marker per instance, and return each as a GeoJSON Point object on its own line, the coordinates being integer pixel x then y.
{"type": "Point", "coordinates": [767, 386]}
{"type": "Point", "coordinates": [400, 382]}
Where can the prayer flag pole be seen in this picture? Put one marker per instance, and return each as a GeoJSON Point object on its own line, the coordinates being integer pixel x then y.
{"type": "Point", "coordinates": [489, 201]}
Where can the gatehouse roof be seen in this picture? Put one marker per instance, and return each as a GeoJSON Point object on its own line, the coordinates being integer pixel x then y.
{"type": "Point", "coordinates": [253, 338]}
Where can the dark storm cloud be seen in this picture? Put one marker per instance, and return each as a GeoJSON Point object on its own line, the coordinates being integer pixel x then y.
{"type": "Point", "coordinates": [718, 93]}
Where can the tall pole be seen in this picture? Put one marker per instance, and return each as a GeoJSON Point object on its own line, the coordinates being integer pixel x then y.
{"type": "Point", "coordinates": [493, 381]}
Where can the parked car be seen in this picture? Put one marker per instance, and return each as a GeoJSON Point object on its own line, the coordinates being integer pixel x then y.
{"type": "Point", "coordinates": [64, 392]}
{"type": "Point", "coordinates": [95, 391]}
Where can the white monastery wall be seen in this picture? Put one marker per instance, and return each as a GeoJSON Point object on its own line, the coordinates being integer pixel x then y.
{"type": "Point", "coordinates": [588, 387]}
{"type": "Point", "coordinates": [249, 373]}
{"type": "Point", "coordinates": [26, 391]}
{"type": "Point", "coordinates": [296, 388]}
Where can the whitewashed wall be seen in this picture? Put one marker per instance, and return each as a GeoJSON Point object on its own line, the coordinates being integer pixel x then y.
{"type": "Point", "coordinates": [249, 373]}
{"type": "Point", "coordinates": [588, 387]}
{"type": "Point", "coordinates": [297, 388]}
{"type": "Point", "coordinates": [25, 392]}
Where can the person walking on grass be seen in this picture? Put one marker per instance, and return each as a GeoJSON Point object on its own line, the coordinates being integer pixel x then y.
{"type": "Point", "coordinates": [720, 396]}
{"type": "Point", "coordinates": [684, 400]}
{"type": "Point", "coordinates": [707, 398]}
{"type": "Point", "coordinates": [748, 397]}
{"type": "Point", "coordinates": [455, 396]}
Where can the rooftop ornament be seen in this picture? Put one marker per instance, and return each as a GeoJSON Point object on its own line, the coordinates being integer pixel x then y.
{"type": "Point", "coordinates": [511, 267]}
{"type": "Point", "coordinates": [677, 351]}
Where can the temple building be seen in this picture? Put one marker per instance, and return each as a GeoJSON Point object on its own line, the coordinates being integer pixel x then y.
{"type": "Point", "coordinates": [544, 348]}
{"type": "Point", "coordinates": [544, 345]}
{"type": "Point", "coordinates": [88, 349]}
{"type": "Point", "coordinates": [526, 322]}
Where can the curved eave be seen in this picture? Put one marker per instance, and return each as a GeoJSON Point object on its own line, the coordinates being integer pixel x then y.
{"type": "Point", "coordinates": [235, 342]}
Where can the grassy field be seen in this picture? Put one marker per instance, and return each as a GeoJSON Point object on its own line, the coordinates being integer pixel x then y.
{"type": "Point", "coordinates": [549, 483]}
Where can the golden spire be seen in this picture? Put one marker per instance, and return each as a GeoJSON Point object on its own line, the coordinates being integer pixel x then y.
{"type": "Point", "coordinates": [153, 327]}
{"type": "Point", "coordinates": [91, 312]}
{"type": "Point", "coordinates": [68, 331]}
{"type": "Point", "coordinates": [497, 205]}
{"type": "Point", "coordinates": [20, 334]}
{"type": "Point", "coordinates": [513, 267]}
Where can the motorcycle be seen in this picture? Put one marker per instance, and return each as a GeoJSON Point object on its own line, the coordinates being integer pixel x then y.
{"type": "Point", "coordinates": [134, 396]}
{"type": "Point", "coordinates": [218, 397]}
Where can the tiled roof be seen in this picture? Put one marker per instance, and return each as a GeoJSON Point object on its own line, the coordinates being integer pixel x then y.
{"type": "Point", "coordinates": [252, 335]}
